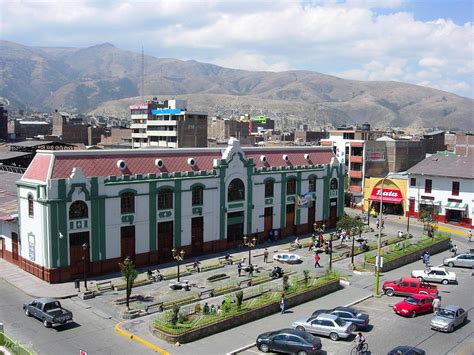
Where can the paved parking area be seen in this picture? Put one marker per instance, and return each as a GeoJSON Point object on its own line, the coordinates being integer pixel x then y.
{"type": "Point", "coordinates": [387, 330]}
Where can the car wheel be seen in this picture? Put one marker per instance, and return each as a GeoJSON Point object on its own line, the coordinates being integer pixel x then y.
{"type": "Point", "coordinates": [300, 328]}
{"type": "Point", "coordinates": [450, 264]}
{"type": "Point", "coordinates": [445, 282]}
{"type": "Point", "coordinates": [334, 336]}
{"type": "Point", "coordinates": [389, 292]}
{"type": "Point", "coordinates": [264, 348]}
{"type": "Point", "coordinates": [451, 329]}
{"type": "Point", "coordinates": [302, 352]}
{"type": "Point", "coordinates": [413, 314]}
{"type": "Point", "coordinates": [27, 312]}
{"type": "Point", "coordinates": [46, 323]}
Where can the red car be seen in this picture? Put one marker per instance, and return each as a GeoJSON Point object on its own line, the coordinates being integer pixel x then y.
{"type": "Point", "coordinates": [413, 305]}
{"type": "Point", "coordinates": [407, 286]}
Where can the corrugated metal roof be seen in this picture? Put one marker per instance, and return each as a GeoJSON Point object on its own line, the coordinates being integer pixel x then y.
{"type": "Point", "coordinates": [8, 194]}
{"type": "Point", "coordinates": [449, 165]}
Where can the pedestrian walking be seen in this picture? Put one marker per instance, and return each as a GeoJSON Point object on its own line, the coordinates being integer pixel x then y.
{"type": "Point", "coordinates": [426, 259]}
{"type": "Point", "coordinates": [383, 222]}
{"type": "Point", "coordinates": [316, 260]}
{"type": "Point", "coordinates": [197, 265]}
{"type": "Point", "coordinates": [283, 303]}
{"type": "Point", "coordinates": [239, 268]}
{"type": "Point", "coordinates": [455, 250]}
{"type": "Point", "coordinates": [436, 304]}
{"type": "Point", "coordinates": [469, 236]}
{"type": "Point", "coordinates": [251, 268]}
{"type": "Point", "coordinates": [377, 224]}
{"type": "Point", "coordinates": [265, 255]}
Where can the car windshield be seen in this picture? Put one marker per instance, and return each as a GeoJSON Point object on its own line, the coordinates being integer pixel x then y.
{"type": "Point", "coordinates": [308, 337]}
{"type": "Point", "coordinates": [340, 322]}
{"type": "Point", "coordinates": [411, 300]}
{"type": "Point", "coordinates": [445, 313]}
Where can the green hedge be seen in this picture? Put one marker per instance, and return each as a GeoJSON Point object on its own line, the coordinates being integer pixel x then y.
{"type": "Point", "coordinates": [13, 346]}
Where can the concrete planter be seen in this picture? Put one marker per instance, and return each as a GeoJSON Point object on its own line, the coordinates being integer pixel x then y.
{"type": "Point", "coordinates": [246, 317]}
{"type": "Point", "coordinates": [415, 256]}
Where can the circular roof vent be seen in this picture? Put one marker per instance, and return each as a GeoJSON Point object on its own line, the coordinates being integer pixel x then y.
{"type": "Point", "coordinates": [286, 157]}
{"type": "Point", "coordinates": [263, 158]}
{"type": "Point", "coordinates": [306, 156]}
{"type": "Point", "coordinates": [191, 162]}
{"type": "Point", "coordinates": [159, 163]}
{"type": "Point", "coordinates": [121, 164]}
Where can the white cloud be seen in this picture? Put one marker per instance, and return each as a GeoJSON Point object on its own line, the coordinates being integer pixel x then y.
{"type": "Point", "coordinates": [263, 35]}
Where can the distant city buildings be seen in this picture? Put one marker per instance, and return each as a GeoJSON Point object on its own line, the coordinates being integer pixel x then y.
{"type": "Point", "coordinates": [3, 123]}
{"type": "Point", "coordinates": [167, 124]}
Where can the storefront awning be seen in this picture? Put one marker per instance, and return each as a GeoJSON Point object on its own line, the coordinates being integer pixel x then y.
{"type": "Point", "coordinates": [459, 206]}
{"type": "Point", "coordinates": [389, 196]}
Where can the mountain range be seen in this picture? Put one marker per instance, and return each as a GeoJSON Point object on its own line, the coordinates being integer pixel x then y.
{"type": "Point", "coordinates": [104, 80]}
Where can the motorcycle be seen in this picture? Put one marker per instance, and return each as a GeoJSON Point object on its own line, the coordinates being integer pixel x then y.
{"type": "Point", "coordinates": [277, 272]}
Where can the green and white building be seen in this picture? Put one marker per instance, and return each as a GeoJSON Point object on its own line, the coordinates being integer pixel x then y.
{"type": "Point", "coordinates": [102, 206]}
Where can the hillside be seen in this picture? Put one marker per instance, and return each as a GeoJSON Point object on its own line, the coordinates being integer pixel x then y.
{"type": "Point", "coordinates": [92, 79]}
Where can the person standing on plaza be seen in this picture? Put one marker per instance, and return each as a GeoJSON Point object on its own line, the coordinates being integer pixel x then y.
{"type": "Point", "coordinates": [265, 256]}
{"type": "Point", "coordinates": [239, 268]}
{"type": "Point", "coordinates": [383, 222]}
{"type": "Point", "coordinates": [316, 260]}
{"type": "Point", "coordinates": [455, 250]}
{"type": "Point", "coordinates": [377, 224]}
{"type": "Point", "coordinates": [469, 236]}
{"type": "Point", "coordinates": [426, 259]}
{"type": "Point", "coordinates": [283, 303]}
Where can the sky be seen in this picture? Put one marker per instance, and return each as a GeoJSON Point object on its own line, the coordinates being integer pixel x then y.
{"type": "Point", "coordinates": [423, 42]}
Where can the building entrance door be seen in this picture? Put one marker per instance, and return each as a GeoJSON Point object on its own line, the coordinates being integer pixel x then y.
{"type": "Point", "coordinates": [268, 221]}
{"type": "Point", "coordinates": [165, 241]}
{"type": "Point", "coordinates": [15, 247]}
{"type": "Point", "coordinates": [77, 254]}
{"type": "Point", "coordinates": [290, 219]}
{"type": "Point", "coordinates": [197, 235]}
{"type": "Point", "coordinates": [332, 212]}
{"type": "Point", "coordinates": [127, 242]}
{"type": "Point", "coordinates": [311, 216]}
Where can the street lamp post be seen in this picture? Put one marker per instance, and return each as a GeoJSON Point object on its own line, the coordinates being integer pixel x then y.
{"type": "Point", "coordinates": [379, 242]}
{"type": "Point", "coordinates": [250, 244]}
{"type": "Point", "coordinates": [331, 235]}
{"type": "Point", "coordinates": [85, 247]}
{"type": "Point", "coordinates": [354, 231]}
{"type": "Point", "coordinates": [178, 256]}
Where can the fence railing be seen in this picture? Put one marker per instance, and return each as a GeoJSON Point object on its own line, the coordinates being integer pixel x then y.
{"type": "Point", "coordinates": [12, 169]}
{"type": "Point", "coordinates": [13, 346]}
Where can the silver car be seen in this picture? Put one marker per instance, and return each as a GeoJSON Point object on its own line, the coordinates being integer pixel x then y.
{"type": "Point", "coordinates": [325, 324]}
{"type": "Point", "coordinates": [448, 318]}
{"type": "Point", "coordinates": [466, 260]}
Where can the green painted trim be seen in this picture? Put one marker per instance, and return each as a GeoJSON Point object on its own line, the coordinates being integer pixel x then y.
{"type": "Point", "coordinates": [197, 184]}
{"type": "Point", "coordinates": [165, 214]}
{"type": "Point", "coordinates": [326, 195]}
{"type": "Point", "coordinates": [152, 208]}
{"type": "Point", "coordinates": [177, 213]}
{"type": "Point", "coordinates": [128, 218]}
{"type": "Point", "coordinates": [283, 200]}
{"type": "Point", "coordinates": [125, 191]}
{"type": "Point", "coordinates": [269, 201]}
{"type": "Point", "coordinates": [250, 205]}
{"type": "Point", "coordinates": [102, 240]}
{"type": "Point", "coordinates": [84, 189]}
{"type": "Point", "coordinates": [235, 220]}
{"type": "Point", "coordinates": [62, 226]}
{"type": "Point", "coordinates": [167, 187]}
{"type": "Point", "coordinates": [298, 193]}
{"type": "Point", "coordinates": [340, 199]}
{"type": "Point", "coordinates": [236, 205]}
{"type": "Point", "coordinates": [197, 210]}
{"type": "Point", "coordinates": [222, 200]}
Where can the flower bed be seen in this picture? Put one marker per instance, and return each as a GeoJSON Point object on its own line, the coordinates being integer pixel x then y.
{"type": "Point", "coordinates": [200, 325]}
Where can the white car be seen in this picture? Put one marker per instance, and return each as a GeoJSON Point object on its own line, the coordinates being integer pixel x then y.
{"type": "Point", "coordinates": [287, 258]}
{"type": "Point", "coordinates": [435, 274]}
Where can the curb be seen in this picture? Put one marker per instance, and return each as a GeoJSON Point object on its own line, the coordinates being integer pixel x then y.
{"type": "Point", "coordinates": [139, 340]}
{"type": "Point", "coordinates": [359, 300]}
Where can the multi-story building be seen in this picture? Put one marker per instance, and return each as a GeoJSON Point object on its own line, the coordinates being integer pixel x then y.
{"type": "Point", "coordinates": [98, 207]}
{"type": "Point", "coordinates": [69, 129]}
{"type": "Point", "coordinates": [461, 143]}
{"type": "Point", "coordinates": [3, 124]}
{"type": "Point", "coordinates": [442, 187]}
{"type": "Point", "coordinates": [167, 124]}
{"type": "Point", "coordinates": [221, 129]}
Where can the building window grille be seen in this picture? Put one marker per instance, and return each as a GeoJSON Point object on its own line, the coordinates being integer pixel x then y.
{"type": "Point", "coordinates": [127, 202]}
{"type": "Point", "coordinates": [428, 185]}
{"type": "Point", "coordinates": [198, 196]}
{"type": "Point", "coordinates": [455, 189]}
{"type": "Point", "coordinates": [165, 199]}
{"type": "Point", "coordinates": [291, 187]}
{"type": "Point", "coordinates": [312, 184]}
{"type": "Point", "coordinates": [31, 211]}
{"type": "Point", "coordinates": [78, 210]}
{"type": "Point", "coordinates": [236, 190]}
{"type": "Point", "coordinates": [412, 182]}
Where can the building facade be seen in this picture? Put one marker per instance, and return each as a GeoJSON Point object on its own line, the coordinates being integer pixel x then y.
{"type": "Point", "coordinates": [143, 203]}
{"type": "Point", "coordinates": [441, 187]}
{"type": "Point", "coordinates": [3, 123]}
{"type": "Point", "coordinates": [167, 124]}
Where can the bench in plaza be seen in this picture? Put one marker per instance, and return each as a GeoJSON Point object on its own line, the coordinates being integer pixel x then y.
{"type": "Point", "coordinates": [104, 286]}
{"type": "Point", "coordinates": [154, 307]}
{"type": "Point", "coordinates": [244, 283]}
{"type": "Point", "coordinates": [190, 268]}
{"type": "Point", "coordinates": [206, 294]}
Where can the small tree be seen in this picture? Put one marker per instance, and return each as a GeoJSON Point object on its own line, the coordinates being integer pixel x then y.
{"type": "Point", "coordinates": [129, 274]}
{"type": "Point", "coordinates": [306, 277]}
{"type": "Point", "coordinates": [239, 296]}
{"type": "Point", "coordinates": [286, 285]}
{"type": "Point", "coordinates": [175, 314]}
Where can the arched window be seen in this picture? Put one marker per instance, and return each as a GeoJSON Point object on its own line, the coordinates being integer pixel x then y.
{"type": "Point", "coordinates": [127, 202]}
{"type": "Point", "coordinates": [333, 184]}
{"type": "Point", "coordinates": [78, 210]}
{"type": "Point", "coordinates": [165, 199]}
{"type": "Point", "coordinates": [31, 211]}
{"type": "Point", "coordinates": [197, 196]}
{"type": "Point", "coordinates": [291, 186]}
{"type": "Point", "coordinates": [236, 190]}
{"type": "Point", "coordinates": [312, 184]}
{"type": "Point", "coordinates": [269, 188]}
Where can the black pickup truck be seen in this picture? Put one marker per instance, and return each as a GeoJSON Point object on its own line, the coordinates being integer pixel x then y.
{"type": "Point", "coordinates": [49, 311]}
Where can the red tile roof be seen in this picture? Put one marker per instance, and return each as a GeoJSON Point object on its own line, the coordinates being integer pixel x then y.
{"type": "Point", "coordinates": [39, 168]}
{"type": "Point", "coordinates": [104, 163]}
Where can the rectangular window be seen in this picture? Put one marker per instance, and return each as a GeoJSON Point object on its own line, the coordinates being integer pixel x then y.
{"type": "Point", "coordinates": [127, 203]}
{"type": "Point", "coordinates": [455, 189]}
{"type": "Point", "coordinates": [197, 198]}
{"type": "Point", "coordinates": [412, 182]}
{"type": "Point", "coordinates": [428, 185]}
{"type": "Point", "coordinates": [269, 189]}
{"type": "Point", "coordinates": [291, 187]}
{"type": "Point", "coordinates": [165, 200]}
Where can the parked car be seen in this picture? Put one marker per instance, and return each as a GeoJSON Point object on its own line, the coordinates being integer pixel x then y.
{"type": "Point", "coordinates": [325, 324]}
{"type": "Point", "coordinates": [406, 350]}
{"type": "Point", "coordinates": [288, 258]}
{"type": "Point", "coordinates": [49, 311]}
{"type": "Point", "coordinates": [465, 259]}
{"type": "Point", "coordinates": [408, 286]}
{"type": "Point", "coordinates": [448, 318]}
{"type": "Point", "coordinates": [413, 305]}
{"type": "Point", "coordinates": [359, 319]}
{"type": "Point", "coordinates": [289, 340]}
{"type": "Point", "coordinates": [435, 274]}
